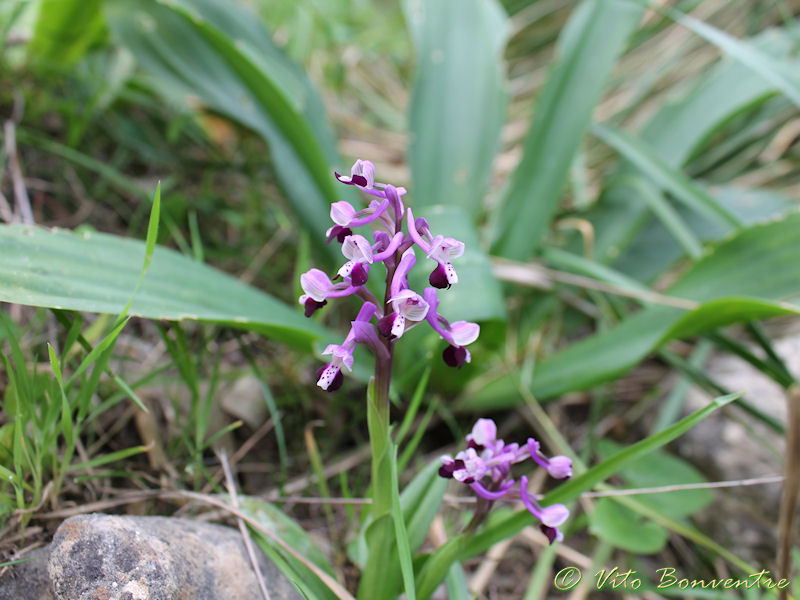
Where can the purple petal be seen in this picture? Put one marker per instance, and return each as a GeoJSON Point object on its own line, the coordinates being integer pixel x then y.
{"type": "Point", "coordinates": [385, 324]}
{"type": "Point", "coordinates": [552, 533]}
{"type": "Point", "coordinates": [464, 332]}
{"type": "Point", "coordinates": [438, 278]}
{"type": "Point", "coordinates": [391, 248]}
{"type": "Point", "coordinates": [532, 506]}
{"type": "Point", "coordinates": [448, 466]}
{"type": "Point", "coordinates": [412, 231]}
{"type": "Point", "coordinates": [394, 200]}
{"type": "Point", "coordinates": [560, 467]}
{"type": "Point", "coordinates": [365, 334]}
{"type": "Point", "coordinates": [554, 515]}
{"type": "Point", "coordinates": [533, 448]}
{"type": "Point", "coordinates": [378, 209]}
{"type": "Point", "coordinates": [401, 272]}
{"type": "Point", "coordinates": [484, 493]}
{"type": "Point", "coordinates": [316, 284]}
{"type": "Point", "coordinates": [484, 432]}
{"type": "Point", "coordinates": [455, 356]}
{"type": "Point", "coordinates": [311, 306]}
{"type": "Point", "coordinates": [357, 248]}
{"type": "Point", "coordinates": [342, 213]}
{"type": "Point", "coordinates": [474, 466]}
{"type": "Point", "coordinates": [359, 274]}
{"type": "Point", "coordinates": [330, 378]}
{"type": "Point", "coordinates": [338, 232]}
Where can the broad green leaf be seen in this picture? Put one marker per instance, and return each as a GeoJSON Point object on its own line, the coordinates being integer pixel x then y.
{"type": "Point", "coordinates": [654, 250]}
{"type": "Point", "coordinates": [222, 57]}
{"type": "Point", "coordinates": [781, 75]}
{"type": "Point", "coordinates": [463, 547]}
{"type": "Point", "coordinates": [681, 126]}
{"type": "Point", "coordinates": [675, 182]}
{"type": "Point", "coordinates": [458, 99]}
{"type": "Point", "coordinates": [675, 133]}
{"type": "Point", "coordinates": [96, 272]}
{"type": "Point", "coordinates": [587, 51]}
{"type": "Point", "coordinates": [380, 579]}
{"type": "Point", "coordinates": [740, 280]}
{"type": "Point", "coordinates": [623, 528]}
{"type": "Point", "coordinates": [66, 29]}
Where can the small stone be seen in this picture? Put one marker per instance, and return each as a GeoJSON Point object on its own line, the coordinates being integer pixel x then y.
{"type": "Point", "coordinates": [103, 557]}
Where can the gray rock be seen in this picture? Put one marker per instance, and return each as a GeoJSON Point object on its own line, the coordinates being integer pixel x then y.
{"type": "Point", "coordinates": [28, 580]}
{"type": "Point", "coordinates": [103, 557]}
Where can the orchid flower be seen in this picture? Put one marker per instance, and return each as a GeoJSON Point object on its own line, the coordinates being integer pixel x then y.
{"type": "Point", "coordinates": [458, 335]}
{"type": "Point", "coordinates": [330, 376]}
{"type": "Point", "coordinates": [486, 467]}
{"type": "Point", "coordinates": [439, 248]}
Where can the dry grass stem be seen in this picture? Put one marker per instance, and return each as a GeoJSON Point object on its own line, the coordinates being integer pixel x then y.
{"type": "Point", "coordinates": [541, 277]}
{"type": "Point", "coordinates": [248, 541]}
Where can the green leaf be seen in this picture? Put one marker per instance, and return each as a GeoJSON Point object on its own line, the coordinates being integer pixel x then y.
{"type": "Point", "coordinates": [456, 582]}
{"type": "Point", "coordinates": [380, 579]}
{"type": "Point", "coordinates": [681, 126]}
{"type": "Point", "coordinates": [222, 56]}
{"type": "Point", "coordinates": [95, 272]}
{"type": "Point", "coordinates": [104, 459]}
{"type": "Point", "coordinates": [65, 29]}
{"type": "Point", "coordinates": [740, 280]}
{"type": "Point", "coordinates": [660, 173]}
{"type": "Point", "coordinates": [421, 500]}
{"type": "Point", "coordinates": [623, 528]}
{"type": "Point", "coordinates": [677, 131]}
{"type": "Point", "coordinates": [437, 565]}
{"type": "Point", "coordinates": [781, 75]}
{"type": "Point", "coordinates": [403, 545]}
{"type": "Point", "coordinates": [654, 250]}
{"type": "Point", "coordinates": [458, 99]}
{"type": "Point", "coordinates": [587, 51]}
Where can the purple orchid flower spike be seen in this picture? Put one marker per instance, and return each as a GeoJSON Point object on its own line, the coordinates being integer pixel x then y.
{"type": "Point", "coordinates": [402, 307]}
{"type": "Point", "coordinates": [486, 467]}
